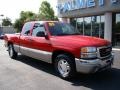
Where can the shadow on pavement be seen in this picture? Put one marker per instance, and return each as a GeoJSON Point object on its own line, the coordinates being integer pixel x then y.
{"type": "Point", "coordinates": [36, 64]}
{"type": "Point", "coordinates": [109, 80]}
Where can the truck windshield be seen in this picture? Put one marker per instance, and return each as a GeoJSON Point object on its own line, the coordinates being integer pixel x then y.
{"type": "Point", "coordinates": [60, 29]}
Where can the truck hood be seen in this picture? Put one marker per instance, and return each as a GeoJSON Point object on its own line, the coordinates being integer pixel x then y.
{"type": "Point", "coordinates": [79, 41]}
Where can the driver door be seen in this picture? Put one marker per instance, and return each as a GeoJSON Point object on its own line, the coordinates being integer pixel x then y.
{"type": "Point", "coordinates": [41, 47]}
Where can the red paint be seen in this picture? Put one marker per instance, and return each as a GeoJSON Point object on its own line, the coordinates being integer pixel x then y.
{"type": "Point", "coordinates": [71, 44]}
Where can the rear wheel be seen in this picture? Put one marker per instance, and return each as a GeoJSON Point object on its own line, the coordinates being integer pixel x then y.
{"type": "Point", "coordinates": [65, 66]}
{"type": "Point", "coordinates": [12, 52]}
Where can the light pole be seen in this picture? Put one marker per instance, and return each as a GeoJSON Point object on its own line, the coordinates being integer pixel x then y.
{"type": "Point", "coordinates": [1, 29]}
{"type": "Point", "coordinates": [1, 19]}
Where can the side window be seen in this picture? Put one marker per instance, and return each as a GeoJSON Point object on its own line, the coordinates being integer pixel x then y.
{"type": "Point", "coordinates": [38, 30]}
{"type": "Point", "coordinates": [26, 28]}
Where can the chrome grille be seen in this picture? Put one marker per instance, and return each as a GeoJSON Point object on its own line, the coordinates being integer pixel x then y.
{"type": "Point", "coordinates": [105, 51]}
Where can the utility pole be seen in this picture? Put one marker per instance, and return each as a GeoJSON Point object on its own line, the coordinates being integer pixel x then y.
{"type": "Point", "coordinates": [1, 29]}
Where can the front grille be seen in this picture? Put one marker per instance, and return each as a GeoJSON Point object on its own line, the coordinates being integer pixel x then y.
{"type": "Point", "coordinates": [105, 51]}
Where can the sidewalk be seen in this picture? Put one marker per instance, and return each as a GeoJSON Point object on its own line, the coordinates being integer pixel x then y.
{"type": "Point", "coordinates": [116, 51]}
{"type": "Point", "coordinates": [117, 48]}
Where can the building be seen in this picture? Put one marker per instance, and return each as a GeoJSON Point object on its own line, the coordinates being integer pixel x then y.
{"type": "Point", "coordinates": [99, 18]}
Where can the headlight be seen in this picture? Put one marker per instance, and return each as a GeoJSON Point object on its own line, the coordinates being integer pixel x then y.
{"type": "Point", "coordinates": [88, 52]}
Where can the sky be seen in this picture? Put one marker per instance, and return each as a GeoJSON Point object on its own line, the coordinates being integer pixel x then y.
{"type": "Point", "coordinates": [12, 8]}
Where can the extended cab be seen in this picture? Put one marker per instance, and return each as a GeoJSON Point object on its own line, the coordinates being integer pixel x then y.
{"type": "Point", "coordinates": [61, 45]}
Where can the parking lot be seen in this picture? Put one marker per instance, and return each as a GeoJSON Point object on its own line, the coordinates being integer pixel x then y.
{"type": "Point", "coordinates": [25, 73]}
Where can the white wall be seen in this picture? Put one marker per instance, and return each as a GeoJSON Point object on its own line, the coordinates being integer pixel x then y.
{"type": "Point", "coordinates": [7, 29]}
{"type": "Point", "coordinates": [108, 26]}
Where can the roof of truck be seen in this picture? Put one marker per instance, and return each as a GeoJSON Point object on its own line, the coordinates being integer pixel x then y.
{"type": "Point", "coordinates": [41, 22]}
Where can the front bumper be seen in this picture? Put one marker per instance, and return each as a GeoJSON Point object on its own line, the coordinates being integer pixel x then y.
{"type": "Point", "coordinates": [92, 66]}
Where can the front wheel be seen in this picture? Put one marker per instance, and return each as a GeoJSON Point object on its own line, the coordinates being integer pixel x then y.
{"type": "Point", "coordinates": [65, 66]}
{"type": "Point", "coordinates": [12, 52]}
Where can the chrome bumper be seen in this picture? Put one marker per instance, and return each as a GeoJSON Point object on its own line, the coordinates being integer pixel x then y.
{"type": "Point", "coordinates": [92, 66]}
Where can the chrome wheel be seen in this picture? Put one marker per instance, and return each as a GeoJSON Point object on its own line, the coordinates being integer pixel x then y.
{"type": "Point", "coordinates": [64, 67]}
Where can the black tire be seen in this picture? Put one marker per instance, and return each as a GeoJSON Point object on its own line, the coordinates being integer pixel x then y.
{"type": "Point", "coordinates": [69, 70]}
{"type": "Point", "coordinates": [12, 52]}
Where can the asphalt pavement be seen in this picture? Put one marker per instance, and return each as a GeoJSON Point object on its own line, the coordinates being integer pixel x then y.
{"type": "Point", "coordinates": [25, 73]}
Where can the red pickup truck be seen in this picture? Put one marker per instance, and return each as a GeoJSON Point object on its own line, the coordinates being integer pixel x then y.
{"type": "Point", "coordinates": [61, 45]}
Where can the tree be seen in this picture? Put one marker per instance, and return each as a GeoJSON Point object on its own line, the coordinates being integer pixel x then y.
{"type": "Point", "coordinates": [28, 16]}
{"type": "Point", "coordinates": [6, 22]}
{"type": "Point", "coordinates": [18, 25]}
{"type": "Point", "coordinates": [56, 18]}
{"type": "Point", "coordinates": [24, 17]}
{"type": "Point", "coordinates": [46, 12]}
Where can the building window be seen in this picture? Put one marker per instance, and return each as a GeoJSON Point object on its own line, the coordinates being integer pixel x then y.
{"type": "Point", "coordinates": [87, 26]}
{"type": "Point", "coordinates": [102, 24]}
{"type": "Point", "coordinates": [96, 26]}
{"type": "Point", "coordinates": [117, 29]}
{"type": "Point", "coordinates": [90, 26]}
{"type": "Point", "coordinates": [117, 25]}
{"type": "Point", "coordinates": [80, 23]}
{"type": "Point", "coordinates": [73, 22]}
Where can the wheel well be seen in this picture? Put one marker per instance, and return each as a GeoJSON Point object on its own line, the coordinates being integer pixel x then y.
{"type": "Point", "coordinates": [56, 53]}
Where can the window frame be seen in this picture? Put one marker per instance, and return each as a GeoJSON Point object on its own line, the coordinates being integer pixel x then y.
{"type": "Point", "coordinates": [30, 28]}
